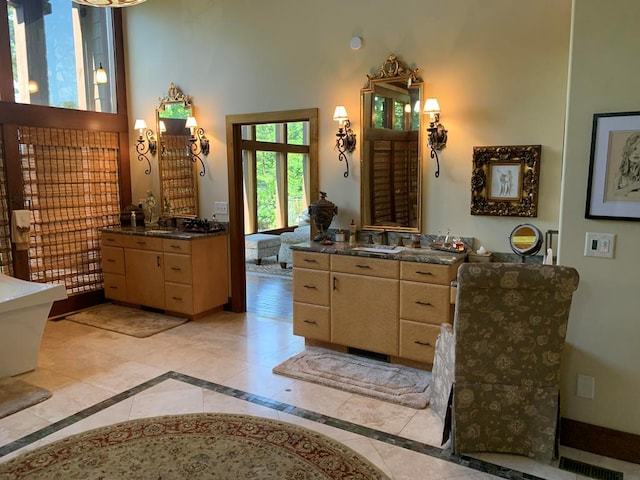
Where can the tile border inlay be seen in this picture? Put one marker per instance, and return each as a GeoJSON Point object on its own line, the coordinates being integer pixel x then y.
{"type": "Point", "coordinates": [391, 439]}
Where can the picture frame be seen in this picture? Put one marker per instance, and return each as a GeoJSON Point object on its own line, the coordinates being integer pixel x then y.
{"type": "Point", "coordinates": [613, 188]}
{"type": "Point", "coordinates": [505, 180]}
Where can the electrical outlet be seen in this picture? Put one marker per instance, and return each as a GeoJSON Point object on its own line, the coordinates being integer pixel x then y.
{"type": "Point", "coordinates": [585, 386]}
{"type": "Point", "coordinates": [222, 208]}
{"type": "Point", "coordinates": [599, 245]}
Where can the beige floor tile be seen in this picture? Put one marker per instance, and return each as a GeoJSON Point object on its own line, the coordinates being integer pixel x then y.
{"type": "Point", "coordinates": [376, 414]}
{"type": "Point", "coordinates": [68, 400]}
{"type": "Point", "coordinates": [366, 448]}
{"type": "Point", "coordinates": [169, 398]}
{"type": "Point", "coordinates": [123, 376]}
{"type": "Point", "coordinates": [259, 379]}
{"type": "Point", "coordinates": [219, 403]}
{"type": "Point", "coordinates": [425, 426]}
{"type": "Point", "coordinates": [20, 424]}
{"type": "Point", "coordinates": [316, 398]}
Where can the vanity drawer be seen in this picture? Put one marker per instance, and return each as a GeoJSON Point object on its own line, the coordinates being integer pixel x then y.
{"type": "Point", "coordinates": [318, 261]}
{"type": "Point", "coordinates": [372, 267]}
{"type": "Point", "coordinates": [115, 287]}
{"type": "Point", "coordinates": [424, 303]}
{"type": "Point", "coordinates": [177, 268]}
{"type": "Point", "coordinates": [428, 272]}
{"type": "Point", "coordinates": [141, 242]}
{"type": "Point", "coordinates": [178, 298]}
{"type": "Point", "coordinates": [311, 286]}
{"type": "Point", "coordinates": [171, 245]}
{"type": "Point", "coordinates": [312, 321]}
{"type": "Point", "coordinates": [112, 239]}
{"type": "Point", "coordinates": [418, 341]}
{"type": "Point", "coordinates": [113, 260]}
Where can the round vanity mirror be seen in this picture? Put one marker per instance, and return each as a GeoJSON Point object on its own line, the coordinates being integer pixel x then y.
{"type": "Point", "coordinates": [525, 239]}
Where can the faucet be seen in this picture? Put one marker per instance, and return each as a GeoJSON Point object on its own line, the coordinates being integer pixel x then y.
{"type": "Point", "coordinates": [401, 239]}
{"type": "Point", "coordinates": [381, 238]}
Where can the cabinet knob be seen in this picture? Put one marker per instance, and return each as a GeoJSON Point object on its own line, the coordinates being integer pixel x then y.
{"type": "Point", "coordinates": [111, 260]}
{"type": "Point", "coordinates": [176, 247]}
{"type": "Point", "coordinates": [363, 266]}
{"type": "Point", "coordinates": [424, 344]}
{"type": "Point", "coordinates": [426, 304]}
{"type": "Point", "coordinates": [311, 321]}
{"type": "Point", "coordinates": [177, 298]}
{"type": "Point", "coordinates": [310, 260]}
{"type": "Point", "coordinates": [419, 272]}
{"type": "Point", "coordinates": [177, 269]}
{"type": "Point", "coordinates": [310, 286]}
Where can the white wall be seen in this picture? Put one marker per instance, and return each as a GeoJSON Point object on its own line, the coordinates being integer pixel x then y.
{"type": "Point", "coordinates": [499, 69]}
{"type": "Point", "coordinates": [604, 327]}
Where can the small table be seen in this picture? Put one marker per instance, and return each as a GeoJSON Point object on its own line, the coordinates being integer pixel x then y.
{"type": "Point", "coordinates": [261, 245]}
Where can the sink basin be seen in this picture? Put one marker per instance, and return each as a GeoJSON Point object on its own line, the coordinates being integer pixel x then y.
{"type": "Point", "coordinates": [160, 231]}
{"type": "Point", "coordinates": [384, 249]}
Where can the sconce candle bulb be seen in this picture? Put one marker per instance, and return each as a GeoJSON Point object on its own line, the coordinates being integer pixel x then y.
{"type": "Point", "coordinates": [146, 143]}
{"type": "Point", "coordinates": [345, 138]}
{"type": "Point", "coordinates": [437, 135]}
{"type": "Point", "coordinates": [101, 75]}
{"type": "Point", "coordinates": [199, 142]}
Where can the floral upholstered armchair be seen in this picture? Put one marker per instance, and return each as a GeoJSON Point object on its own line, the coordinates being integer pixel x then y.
{"type": "Point", "coordinates": [496, 373]}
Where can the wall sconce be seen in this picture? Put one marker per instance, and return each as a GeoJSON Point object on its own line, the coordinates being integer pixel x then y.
{"type": "Point", "coordinates": [345, 138]}
{"type": "Point", "coordinates": [146, 143]}
{"type": "Point", "coordinates": [199, 143]}
{"type": "Point", "coordinates": [437, 135]}
{"type": "Point", "coordinates": [101, 75]}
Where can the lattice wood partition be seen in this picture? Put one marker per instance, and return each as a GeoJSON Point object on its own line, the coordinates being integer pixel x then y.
{"type": "Point", "coordinates": [71, 184]}
{"type": "Point", "coordinates": [179, 185]}
{"type": "Point", "coordinates": [6, 263]}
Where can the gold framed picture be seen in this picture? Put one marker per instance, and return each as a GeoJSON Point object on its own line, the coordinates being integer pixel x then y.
{"type": "Point", "coordinates": [505, 180]}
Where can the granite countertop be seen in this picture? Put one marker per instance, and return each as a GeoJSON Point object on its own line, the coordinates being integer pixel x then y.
{"type": "Point", "coordinates": [407, 254]}
{"type": "Point", "coordinates": [163, 232]}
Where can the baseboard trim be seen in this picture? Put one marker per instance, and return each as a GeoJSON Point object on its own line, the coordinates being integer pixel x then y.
{"type": "Point", "coordinates": [600, 440]}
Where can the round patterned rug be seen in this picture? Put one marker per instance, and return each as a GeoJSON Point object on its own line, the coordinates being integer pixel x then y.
{"type": "Point", "coordinates": [194, 446]}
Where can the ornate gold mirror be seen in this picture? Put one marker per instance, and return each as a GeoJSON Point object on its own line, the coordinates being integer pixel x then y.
{"type": "Point", "coordinates": [391, 119]}
{"type": "Point", "coordinates": [178, 173]}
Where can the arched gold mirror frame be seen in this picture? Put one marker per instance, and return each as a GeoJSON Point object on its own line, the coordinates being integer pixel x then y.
{"type": "Point", "coordinates": [178, 171]}
{"type": "Point", "coordinates": [391, 149]}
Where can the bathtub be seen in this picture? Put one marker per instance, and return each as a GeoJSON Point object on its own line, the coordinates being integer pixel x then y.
{"type": "Point", "coordinates": [24, 309]}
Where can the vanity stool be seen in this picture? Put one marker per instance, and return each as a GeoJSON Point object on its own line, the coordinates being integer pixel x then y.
{"type": "Point", "coordinates": [261, 245]}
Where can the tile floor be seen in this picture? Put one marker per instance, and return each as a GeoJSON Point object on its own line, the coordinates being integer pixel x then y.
{"type": "Point", "coordinates": [222, 363]}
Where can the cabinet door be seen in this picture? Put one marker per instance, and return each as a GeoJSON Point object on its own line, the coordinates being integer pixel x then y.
{"type": "Point", "coordinates": [364, 312]}
{"type": "Point", "coordinates": [145, 277]}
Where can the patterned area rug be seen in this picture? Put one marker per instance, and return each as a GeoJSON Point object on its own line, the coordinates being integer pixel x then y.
{"type": "Point", "coordinates": [16, 395]}
{"type": "Point", "coordinates": [384, 381]}
{"type": "Point", "coordinates": [129, 321]}
{"type": "Point", "coordinates": [269, 267]}
{"type": "Point", "coordinates": [203, 446]}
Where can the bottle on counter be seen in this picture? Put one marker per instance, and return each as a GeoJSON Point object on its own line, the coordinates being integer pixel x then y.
{"type": "Point", "coordinates": [133, 219]}
{"type": "Point", "coordinates": [353, 233]}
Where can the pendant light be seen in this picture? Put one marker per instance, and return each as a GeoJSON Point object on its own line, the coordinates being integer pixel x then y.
{"type": "Point", "coordinates": [109, 3]}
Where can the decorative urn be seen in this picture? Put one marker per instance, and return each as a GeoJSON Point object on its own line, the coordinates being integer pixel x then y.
{"type": "Point", "coordinates": [322, 212]}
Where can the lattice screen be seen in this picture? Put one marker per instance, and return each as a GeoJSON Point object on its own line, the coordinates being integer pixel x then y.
{"type": "Point", "coordinates": [71, 183]}
{"type": "Point", "coordinates": [6, 264]}
{"type": "Point", "coordinates": [178, 182]}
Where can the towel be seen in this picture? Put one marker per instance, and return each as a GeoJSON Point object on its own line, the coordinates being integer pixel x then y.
{"type": "Point", "coordinates": [20, 224]}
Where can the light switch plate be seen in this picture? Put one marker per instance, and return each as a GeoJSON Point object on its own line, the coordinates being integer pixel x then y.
{"type": "Point", "coordinates": [599, 245]}
{"type": "Point", "coordinates": [222, 208]}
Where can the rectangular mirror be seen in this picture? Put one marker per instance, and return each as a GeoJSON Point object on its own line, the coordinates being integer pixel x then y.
{"type": "Point", "coordinates": [391, 168]}
{"type": "Point", "coordinates": [178, 173]}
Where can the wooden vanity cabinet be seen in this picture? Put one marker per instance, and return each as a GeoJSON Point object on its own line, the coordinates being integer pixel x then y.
{"type": "Point", "coordinates": [311, 296]}
{"type": "Point", "coordinates": [364, 303]}
{"type": "Point", "coordinates": [424, 306]}
{"type": "Point", "coordinates": [186, 277]}
{"type": "Point", "coordinates": [385, 306]}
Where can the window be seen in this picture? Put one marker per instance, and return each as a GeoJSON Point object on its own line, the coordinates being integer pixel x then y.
{"type": "Point", "coordinates": [275, 171]}
{"type": "Point", "coordinates": [57, 46]}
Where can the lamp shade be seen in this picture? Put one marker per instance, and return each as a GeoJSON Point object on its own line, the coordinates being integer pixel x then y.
{"type": "Point", "coordinates": [340, 114]}
{"type": "Point", "coordinates": [431, 106]}
{"type": "Point", "coordinates": [191, 122]}
{"type": "Point", "coordinates": [101, 75]}
{"type": "Point", "coordinates": [109, 3]}
{"type": "Point", "coordinates": [140, 124]}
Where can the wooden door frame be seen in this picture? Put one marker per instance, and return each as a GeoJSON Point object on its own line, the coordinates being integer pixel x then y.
{"type": "Point", "coordinates": [238, 293]}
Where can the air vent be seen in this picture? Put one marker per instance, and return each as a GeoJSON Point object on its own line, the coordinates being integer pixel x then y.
{"type": "Point", "coordinates": [588, 470]}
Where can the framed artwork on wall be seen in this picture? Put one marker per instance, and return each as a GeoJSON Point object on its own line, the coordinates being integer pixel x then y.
{"type": "Point", "coordinates": [505, 180]}
{"type": "Point", "coordinates": [613, 190]}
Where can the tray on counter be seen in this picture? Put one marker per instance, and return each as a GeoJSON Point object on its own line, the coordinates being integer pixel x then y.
{"type": "Point", "coordinates": [447, 247]}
